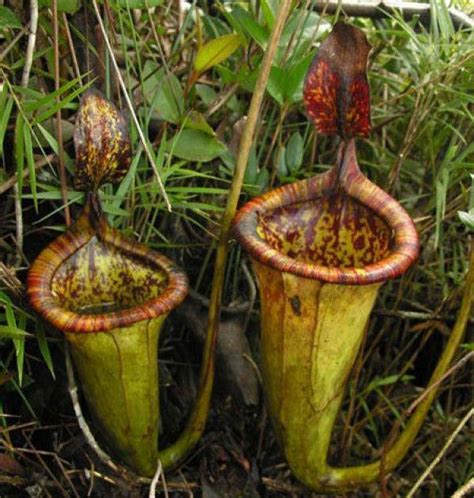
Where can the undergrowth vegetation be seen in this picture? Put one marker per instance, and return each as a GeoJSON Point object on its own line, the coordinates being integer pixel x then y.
{"type": "Point", "coordinates": [189, 70]}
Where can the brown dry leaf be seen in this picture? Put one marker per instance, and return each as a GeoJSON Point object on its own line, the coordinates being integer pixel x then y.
{"type": "Point", "coordinates": [11, 466]}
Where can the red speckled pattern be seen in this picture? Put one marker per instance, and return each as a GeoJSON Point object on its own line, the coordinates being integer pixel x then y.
{"type": "Point", "coordinates": [94, 266]}
{"type": "Point", "coordinates": [333, 230]}
{"type": "Point", "coordinates": [305, 228]}
{"type": "Point", "coordinates": [336, 91]}
{"type": "Point", "coordinates": [320, 96]}
{"type": "Point", "coordinates": [103, 149]}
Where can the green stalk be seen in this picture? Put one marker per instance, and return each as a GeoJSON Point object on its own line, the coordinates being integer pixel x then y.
{"type": "Point", "coordinates": [195, 426]}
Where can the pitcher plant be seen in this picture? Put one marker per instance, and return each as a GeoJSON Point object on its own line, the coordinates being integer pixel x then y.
{"type": "Point", "coordinates": [110, 296]}
{"type": "Point", "coordinates": [321, 248]}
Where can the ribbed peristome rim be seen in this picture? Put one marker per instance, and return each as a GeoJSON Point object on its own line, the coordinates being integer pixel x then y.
{"type": "Point", "coordinates": [43, 269]}
{"type": "Point", "coordinates": [405, 247]}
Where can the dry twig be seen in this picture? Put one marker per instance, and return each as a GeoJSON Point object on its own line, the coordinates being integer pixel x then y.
{"type": "Point", "coordinates": [440, 455]}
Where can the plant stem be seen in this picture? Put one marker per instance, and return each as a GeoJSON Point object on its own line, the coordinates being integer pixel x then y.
{"type": "Point", "coordinates": [24, 83]}
{"type": "Point", "coordinates": [196, 423]}
{"type": "Point", "coordinates": [31, 43]}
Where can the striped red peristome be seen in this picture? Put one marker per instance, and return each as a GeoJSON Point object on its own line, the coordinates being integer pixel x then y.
{"type": "Point", "coordinates": [346, 175]}
{"type": "Point", "coordinates": [43, 269]}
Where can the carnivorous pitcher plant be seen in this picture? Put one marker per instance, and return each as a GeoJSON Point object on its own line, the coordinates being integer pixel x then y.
{"type": "Point", "coordinates": [110, 296]}
{"type": "Point", "coordinates": [321, 248]}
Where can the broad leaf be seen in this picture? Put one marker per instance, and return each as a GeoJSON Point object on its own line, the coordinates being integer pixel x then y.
{"type": "Point", "coordinates": [250, 26]}
{"type": "Point", "coordinates": [164, 93]}
{"type": "Point", "coordinates": [295, 79]}
{"type": "Point", "coordinates": [263, 178]}
{"type": "Point", "coordinates": [276, 85]}
{"type": "Point", "coordinates": [467, 217]}
{"type": "Point", "coordinates": [196, 121]}
{"type": "Point", "coordinates": [269, 12]}
{"type": "Point", "coordinates": [195, 145]}
{"type": "Point", "coordinates": [286, 85]}
{"type": "Point", "coordinates": [69, 6]}
{"type": "Point", "coordinates": [8, 20]}
{"type": "Point", "coordinates": [137, 4]}
{"type": "Point", "coordinates": [251, 171]}
{"type": "Point", "coordinates": [294, 152]}
{"type": "Point", "coordinates": [279, 161]}
{"type": "Point", "coordinates": [206, 93]}
{"type": "Point", "coordinates": [216, 51]}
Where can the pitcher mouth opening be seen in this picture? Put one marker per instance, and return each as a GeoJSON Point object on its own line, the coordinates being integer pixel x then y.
{"type": "Point", "coordinates": [94, 280]}
{"type": "Point", "coordinates": [336, 227]}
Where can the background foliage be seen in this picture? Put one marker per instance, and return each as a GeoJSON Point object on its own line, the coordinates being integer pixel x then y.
{"type": "Point", "coordinates": [190, 70]}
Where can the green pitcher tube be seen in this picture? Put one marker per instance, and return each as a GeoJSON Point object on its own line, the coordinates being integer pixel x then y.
{"type": "Point", "coordinates": [121, 387]}
{"type": "Point", "coordinates": [320, 248]}
{"type": "Point", "coordinates": [110, 296]}
{"type": "Point", "coordinates": [310, 337]}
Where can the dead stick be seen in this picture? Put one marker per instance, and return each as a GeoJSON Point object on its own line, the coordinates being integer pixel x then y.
{"type": "Point", "coordinates": [379, 9]}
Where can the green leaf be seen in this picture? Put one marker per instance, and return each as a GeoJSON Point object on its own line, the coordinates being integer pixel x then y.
{"type": "Point", "coordinates": [196, 121]}
{"type": "Point", "coordinates": [471, 197]}
{"type": "Point", "coordinates": [268, 12]}
{"type": "Point", "coordinates": [207, 93]}
{"type": "Point", "coordinates": [276, 85]}
{"type": "Point", "coordinates": [8, 20]}
{"type": "Point", "coordinates": [279, 160]}
{"type": "Point", "coordinates": [44, 348]}
{"type": "Point", "coordinates": [62, 104]}
{"type": "Point", "coordinates": [263, 178]}
{"type": "Point", "coordinates": [69, 6]}
{"type": "Point", "coordinates": [295, 79]}
{"type": "Point", "coordinates": [33, 100]}
{"type": "Point", "coordinates": [19, 343]}
{"type": "Point", "coordinates": [52, 142]}
{"type": "Point", "coordinates": [294, 152]}
{"type": "Point", "coordinates": [195, 145]}
{"type": "Point", "coordinates": [216, 51]}
{"type": "Point", "coordinates": [19, 150]}
{"type": "Point", "coordinates": [467, 217]}
{"type": "Point", "coordinates": [12, 332]}
{"type": "Point", "coordinates": [163, 93]}
{"type": "Point", "coordinates": [387, 381]}
{"type": "Point", "coordinates": [249, 25]}
{"type": "Point", "coordinates": [6, 107]}
{"type": "Point", "coordinates": [30, 161]}
{"type": "Point", "coordinates": [250, 176]}
{"type": "Point", "coordinates": [286, 85]}
{"type": "Point", "coordinates": [51, 126]}
{"type": "Point", "coordinates": [137, 4]}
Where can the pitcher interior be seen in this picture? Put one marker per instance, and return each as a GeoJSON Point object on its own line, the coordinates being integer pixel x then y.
{"type": "Point", "coordinates": [100, 278]}
{"type": "Point", "coordinates": [332, 231]}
